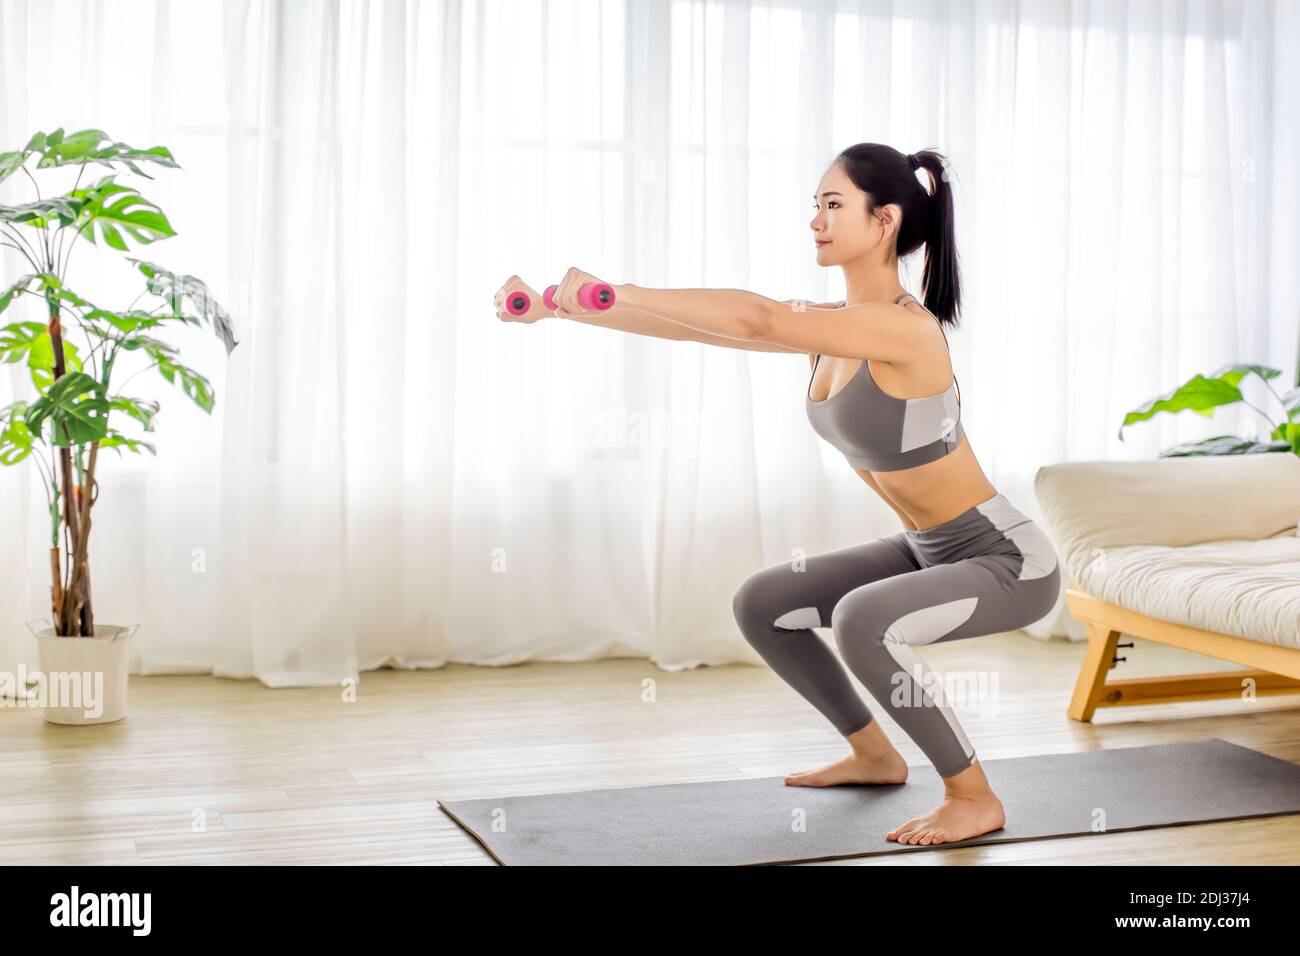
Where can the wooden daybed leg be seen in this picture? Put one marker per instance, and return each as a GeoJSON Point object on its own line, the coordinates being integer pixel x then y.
{"type": "Point", "coordinates": [1091, 684]}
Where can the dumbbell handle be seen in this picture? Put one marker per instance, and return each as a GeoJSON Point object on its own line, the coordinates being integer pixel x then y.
{"type": "Point", "coordinates": [593, 296]}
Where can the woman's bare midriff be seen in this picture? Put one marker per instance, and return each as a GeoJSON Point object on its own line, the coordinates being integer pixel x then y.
{"type": "Point", "coordinates": [940, 490]}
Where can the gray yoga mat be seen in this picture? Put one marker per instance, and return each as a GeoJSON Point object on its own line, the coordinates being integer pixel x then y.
{"type": "Point", "coordinates": [761, 820]}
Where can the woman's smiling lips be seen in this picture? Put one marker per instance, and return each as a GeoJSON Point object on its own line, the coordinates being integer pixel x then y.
{"type": "Point", "coordinates": [823, 242]}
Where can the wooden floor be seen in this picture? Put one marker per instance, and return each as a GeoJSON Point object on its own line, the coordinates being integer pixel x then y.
{"type": "Point", "coordinates": [208, 770]}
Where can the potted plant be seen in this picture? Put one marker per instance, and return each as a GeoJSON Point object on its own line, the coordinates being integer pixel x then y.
{"type": "Point", "coordinates": [1202, 394]}
{"type": "Point", "coordinates": [75, 412]}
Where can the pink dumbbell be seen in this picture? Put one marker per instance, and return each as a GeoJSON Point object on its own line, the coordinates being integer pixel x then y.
{"type": "Point", "coordinates": [593, 296]}
{"type": "Point", "coordinates": [517, 303]}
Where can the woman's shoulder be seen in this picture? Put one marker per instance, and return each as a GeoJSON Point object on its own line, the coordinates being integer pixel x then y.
{"type": "Point", "coordinates": [909, 301]}
{"type": "Point", "coordinates": [812, 356]}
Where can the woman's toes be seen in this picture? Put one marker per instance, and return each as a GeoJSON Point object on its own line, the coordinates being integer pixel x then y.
{"type": "Point", "coordinates": [900, 833]}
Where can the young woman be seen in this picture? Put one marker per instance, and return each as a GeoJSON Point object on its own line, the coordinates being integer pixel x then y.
{"type": "Point", "coordinates": [882, 391]}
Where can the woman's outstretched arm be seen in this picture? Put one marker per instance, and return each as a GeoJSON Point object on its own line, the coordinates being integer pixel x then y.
{"type": "Point", "coordinates": [620, 317]}
{"type": "Point", "coordinates": [639, 322]}
{"type": "Point", "coordinates": [881, 331]}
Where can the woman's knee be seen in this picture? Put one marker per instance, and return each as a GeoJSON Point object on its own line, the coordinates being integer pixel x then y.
{"type": "Point", "coordinates": [747, 603]}
{"type": "Point", "coordinates": [1047, 594]}
{"type": "Point", "coordinates": [762, 598]}
{"type": "Point", "coordinates": [857, 615]}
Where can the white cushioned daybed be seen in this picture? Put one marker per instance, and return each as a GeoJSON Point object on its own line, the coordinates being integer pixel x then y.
{"type": "Point", "coordinates": [1199, 553]}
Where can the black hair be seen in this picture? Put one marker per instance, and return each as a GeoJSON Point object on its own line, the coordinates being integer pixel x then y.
{"type": "Point", "coordinates": [888, 176]}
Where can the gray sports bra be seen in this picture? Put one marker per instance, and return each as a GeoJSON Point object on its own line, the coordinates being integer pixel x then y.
{"type": "Point", "coordinates": [877, 431]}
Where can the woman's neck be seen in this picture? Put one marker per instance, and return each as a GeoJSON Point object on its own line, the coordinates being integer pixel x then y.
{"type": "Point", "coordinates": [877, 287]}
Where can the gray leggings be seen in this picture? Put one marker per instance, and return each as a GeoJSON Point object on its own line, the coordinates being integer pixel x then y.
{"type": "Point", "coordinates": [988, 570]}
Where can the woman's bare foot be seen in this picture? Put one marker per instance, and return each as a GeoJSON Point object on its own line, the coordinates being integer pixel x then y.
{"type": "Point", "coordinates": [874, 760]}
{"type": "Point", "coordinates": [969, 809]}
{"type": "Point", "coordinates": [855, 768]}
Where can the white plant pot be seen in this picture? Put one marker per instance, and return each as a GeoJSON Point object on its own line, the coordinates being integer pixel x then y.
{"type": "Point", "coordinates": [84, 678]}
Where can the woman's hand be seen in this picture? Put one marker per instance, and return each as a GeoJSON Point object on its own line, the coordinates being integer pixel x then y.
{"type": "Point", "coordinates": [566, 296]}
{"type": "Point", "coordinates": [536, 307]}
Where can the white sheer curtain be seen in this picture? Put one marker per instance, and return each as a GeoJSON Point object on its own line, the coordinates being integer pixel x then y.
{"type": "Point", "coordinates": [392, 477]}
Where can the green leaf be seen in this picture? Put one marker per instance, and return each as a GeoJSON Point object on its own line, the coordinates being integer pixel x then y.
{"type": "Point", "coordinates": [131, 321]}
{"type": "Point", "coordinates": [198, 388]}
{"type": "Point", "coordinates": [88, 146]}
{"type": "Point", "coordinates": [17, 339]}
{"type": "Point", "coordinates": [150, 345]}
{"type": "Point", "coordinates": [1222, 445]}
{"type": "Point", "coordinates": [141, 409]}
{"type": "Point", "coordinates": [1199, 394]}
{"type": "Point", "coordinates": [62, 293]}
{"type": "Point", "coordinates": [75, 147]}
{"type": "Point", "coordinates": [117, 441]}
{"type": "Point", "coordinates": [55, 291]}
{"type": "Point", "coordinates": [15, 436]}
{"type": "Point", "coordinates": [76, 412]}
{"type": "Point", "coordinates": [1291, 402]}
{"type": "Point", "coordinates": [112, 209]}
{"type": "Point", "coordinates": [1233, 374]}
{"type": "Point", "coordinates": [40, 359]}
{"type": "Point", "coordinates": [1289, 432]}
{"type": "Point", "coordinates": [192, 383]}
{"type": "Point", "coordinates": [15, 290]}
{"type": "Point", "coordinates": [10, 163]}
{"type": "Point", "coordinates": [31, 340]}
{"type": "Point", "coordinates": [176, 287]}
{"type": "Point", "coordinates": [41, 214]}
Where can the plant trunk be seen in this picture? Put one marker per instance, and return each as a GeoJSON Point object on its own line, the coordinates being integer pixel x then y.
{"type": "Point", "coordinates": [56, 588]}
{"type": "Point", "coordinates": [72, 607]}
{"type": "Point", "coordinates": [81, 612]}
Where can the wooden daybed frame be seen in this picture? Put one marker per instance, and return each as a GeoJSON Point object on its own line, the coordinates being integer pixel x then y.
{"type": "Point", "coordinates": [1274, 669]}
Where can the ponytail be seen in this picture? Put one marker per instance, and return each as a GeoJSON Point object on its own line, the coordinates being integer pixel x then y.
{"type": "Point", "coordinates": [941, 280]}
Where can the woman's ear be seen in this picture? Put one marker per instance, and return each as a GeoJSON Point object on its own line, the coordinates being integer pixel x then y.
{"type": "Point", "coordinates": [892, 217]}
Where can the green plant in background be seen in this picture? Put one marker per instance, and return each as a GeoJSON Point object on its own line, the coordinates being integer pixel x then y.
{"type": "Point", "coordinates": [1202, 394]}
{"type": "Point", "coordinates": [75, 412]}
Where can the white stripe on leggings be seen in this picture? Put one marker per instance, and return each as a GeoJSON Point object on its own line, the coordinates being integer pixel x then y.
{"type": "Point", "coordinates": [925, 626]}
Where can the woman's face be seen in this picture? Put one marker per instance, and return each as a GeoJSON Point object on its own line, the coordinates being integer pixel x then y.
{"type": "Point", "coordinates": [841, 227]}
